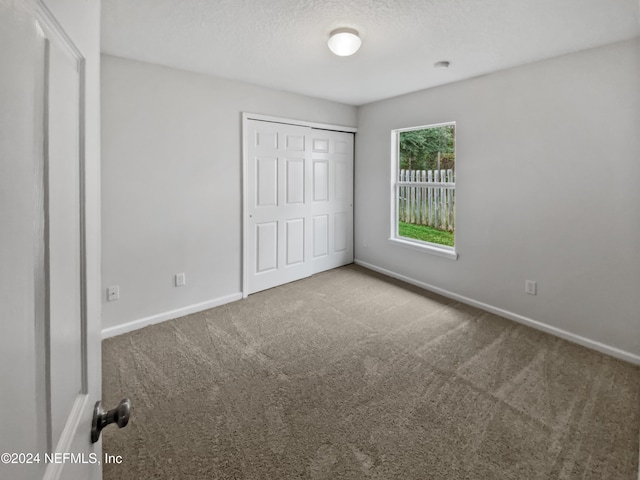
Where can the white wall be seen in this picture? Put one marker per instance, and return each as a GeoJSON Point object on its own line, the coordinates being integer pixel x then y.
{"type": "Point", "coordinates": [171, 183]}
{"type": "Point", "coordinates": [548, 171]}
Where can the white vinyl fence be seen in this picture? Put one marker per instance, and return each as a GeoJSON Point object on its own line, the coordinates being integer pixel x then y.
{"type": "Point", "coordinates": [427, 197]}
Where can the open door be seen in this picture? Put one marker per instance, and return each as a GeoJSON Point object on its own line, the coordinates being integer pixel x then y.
{"type": "Point", "coordinates": [49, 241]}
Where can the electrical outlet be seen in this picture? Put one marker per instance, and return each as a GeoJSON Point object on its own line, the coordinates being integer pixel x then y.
{"type": "Point", "coordinates": [113, 293]}
{"type": "Point", "coordinates": [531, 287]}
{"type": "Point", "coordinates": [181, 279]}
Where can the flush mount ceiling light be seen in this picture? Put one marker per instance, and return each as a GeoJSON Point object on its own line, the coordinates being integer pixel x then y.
{"type": "Point", "coordinates": [344, 41]}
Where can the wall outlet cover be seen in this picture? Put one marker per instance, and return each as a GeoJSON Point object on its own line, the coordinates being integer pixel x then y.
{"type": "Point", "coordinates": [113, 293]}
{"type": "Point", "coordinates": [531, 287]}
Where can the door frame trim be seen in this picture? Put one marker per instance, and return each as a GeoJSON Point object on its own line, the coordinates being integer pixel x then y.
{"type": "Point", "coordinates": [246, 117]}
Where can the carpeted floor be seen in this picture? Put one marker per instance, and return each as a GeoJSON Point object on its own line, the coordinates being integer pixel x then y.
{"type": "Point", "coordinates": [350, 375]}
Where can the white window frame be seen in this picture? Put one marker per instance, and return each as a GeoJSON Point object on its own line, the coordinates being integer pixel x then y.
{"type": "Point", "coordinates": [419, 245]}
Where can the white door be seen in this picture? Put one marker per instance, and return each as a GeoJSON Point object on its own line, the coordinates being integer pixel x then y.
{"type": "Point", "coordinates": [50, 353]}
{"type": "Point", "coordinates": [331, 202]}
{"type": "Point", "coordinates": [299, 212]}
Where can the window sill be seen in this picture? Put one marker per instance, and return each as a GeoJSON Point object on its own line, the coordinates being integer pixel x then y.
{"type": "Point", "coordinates": [441, 251]}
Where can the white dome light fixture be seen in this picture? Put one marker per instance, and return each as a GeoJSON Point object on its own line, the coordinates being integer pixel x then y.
{"type": "Point", "coordinates": [344, 41]}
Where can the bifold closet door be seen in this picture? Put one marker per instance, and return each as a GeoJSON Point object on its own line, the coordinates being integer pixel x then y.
{"type": "Point", "coordinates": [300, 194]}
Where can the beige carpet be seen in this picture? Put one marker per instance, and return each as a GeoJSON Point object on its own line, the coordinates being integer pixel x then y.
{"type": "Point", "coordinates": [350, 375]}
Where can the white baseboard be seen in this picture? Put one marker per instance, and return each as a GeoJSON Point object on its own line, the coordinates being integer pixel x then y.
{"type": "Point", "coordinates": [558, 332]}
{"type": "Point", "coordinates": [161, 317]}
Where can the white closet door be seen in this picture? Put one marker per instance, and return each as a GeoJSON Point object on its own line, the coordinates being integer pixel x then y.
{"type": "Point", "coordinates": [278, 162]}
{"type": "Point", "coordinates": [300, 191]}
{"type": "Point", "coordinates": [331, 202]}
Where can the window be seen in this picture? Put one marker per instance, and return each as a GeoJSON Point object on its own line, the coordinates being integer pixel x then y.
{"type": "Point", "coordinates": [423, 179]}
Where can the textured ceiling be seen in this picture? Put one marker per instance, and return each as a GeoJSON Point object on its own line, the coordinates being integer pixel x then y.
{"type": "Point", "coordinates": [282, 43]}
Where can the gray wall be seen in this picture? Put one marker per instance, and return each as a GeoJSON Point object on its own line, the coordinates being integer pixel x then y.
{"type": "Point", "coordinates": [171, 182]}
{"type": "Point", "coordinates": [548, 165]}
